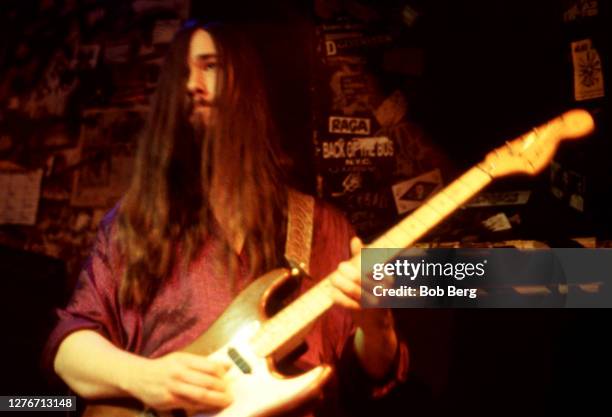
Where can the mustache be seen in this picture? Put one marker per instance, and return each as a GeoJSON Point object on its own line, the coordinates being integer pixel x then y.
{"type": "Point", "coordinates": [192, 101]}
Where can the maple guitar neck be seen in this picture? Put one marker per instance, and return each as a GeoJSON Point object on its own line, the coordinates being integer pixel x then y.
{"type": "Point", "coordinates": [297, 316]}
{"type": "Point", "coordinates": [529, 154]}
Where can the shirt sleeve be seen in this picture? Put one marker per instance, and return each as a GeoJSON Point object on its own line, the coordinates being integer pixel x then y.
{"type": "Point", "coordinates": [333, 234]}
{"type": "Point", "coordinates": [355, 382]}
{"type": "Point", "coordinates": [94, 302]}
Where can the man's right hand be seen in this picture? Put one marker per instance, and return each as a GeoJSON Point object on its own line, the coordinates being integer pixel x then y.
{"type": "Point", "coordinates": [181, 380]}
{"type": "Point", "coordinates": [95, 368]}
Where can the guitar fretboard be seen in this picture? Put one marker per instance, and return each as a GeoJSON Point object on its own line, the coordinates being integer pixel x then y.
{"type": "Point", "coordinates": [297, 316]}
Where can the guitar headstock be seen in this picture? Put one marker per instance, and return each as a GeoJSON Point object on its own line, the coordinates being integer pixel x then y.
{"type": "Point", "coordinates": [531, 152]}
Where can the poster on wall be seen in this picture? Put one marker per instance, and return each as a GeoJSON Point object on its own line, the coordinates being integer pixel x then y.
{"type": "Point", "coordinates": [19, 196]}
{"type": "Point", "coordinates": [62, 163]}
{"type": "Point", "coordinates": [364, 139]}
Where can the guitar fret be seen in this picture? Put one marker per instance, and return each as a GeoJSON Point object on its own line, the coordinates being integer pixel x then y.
{"type": "Point", "coordinates": [415, 229]}
{"type": "Point", "coordinates": [381, 242]}
{"type": "Point", "coordinates": [459, 190]}
{"type": "Point", "coordinates": [435, 211]}
{"type": "Point", "coordinates": [418, 214]}
{"type": "Point", "coordinates": [409, 230]}
{"type": "Point", "coordinates": [377, 243]}
{"type": "Point", "coordinates": [463, 185]}
{"type": "Point", "coordinates": [443, 208]}
{"type": "Point", "coordinates": [389, 237]}
{"type": "Point", "coordinates": [449, 205]}
{"type": "Point", "coordinates": [476, 178]}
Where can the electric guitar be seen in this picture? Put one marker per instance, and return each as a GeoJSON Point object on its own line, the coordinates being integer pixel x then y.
{"type": "Point", "coordinates": [245, 336]}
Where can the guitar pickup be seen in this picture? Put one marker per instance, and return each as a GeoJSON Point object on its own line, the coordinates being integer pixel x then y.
{"type": "Point", "coordinates": [239, 361]}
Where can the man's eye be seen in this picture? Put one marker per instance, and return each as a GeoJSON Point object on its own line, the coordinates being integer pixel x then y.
{"type": "Point", "coordinates": [210, 66]}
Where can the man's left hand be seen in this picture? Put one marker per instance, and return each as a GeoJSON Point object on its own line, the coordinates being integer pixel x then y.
{"type": "Point", "coordinates": [375, 340]}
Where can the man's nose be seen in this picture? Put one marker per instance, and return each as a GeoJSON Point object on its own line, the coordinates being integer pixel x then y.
{"type": "Point", "coordinates": [196, 83]}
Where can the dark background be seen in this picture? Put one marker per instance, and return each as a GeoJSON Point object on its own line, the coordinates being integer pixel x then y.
{"type": "Point", "coordinates": [493, 70]}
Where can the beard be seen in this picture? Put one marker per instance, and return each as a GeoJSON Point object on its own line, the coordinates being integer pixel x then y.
{"type": "Point", "coordinates": [199, 113]}
{"type": "Point", "coordinates": [195, 160]}
{"type": "Point", "coordinates": [198, 124]}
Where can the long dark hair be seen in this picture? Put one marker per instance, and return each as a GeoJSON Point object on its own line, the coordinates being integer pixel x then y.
{"type": "Point", "coordinates": [168, 209]}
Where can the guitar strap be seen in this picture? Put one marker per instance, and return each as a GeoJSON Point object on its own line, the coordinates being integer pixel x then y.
{"type": "Point", "coordinates": [299, 229]}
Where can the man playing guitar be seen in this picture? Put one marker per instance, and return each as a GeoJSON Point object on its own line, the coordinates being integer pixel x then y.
{"type": "Point", "coordinates": [206, 213]}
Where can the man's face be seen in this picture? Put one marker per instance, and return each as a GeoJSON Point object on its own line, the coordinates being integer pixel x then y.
{"type": "Point", "coordinates": [203, 71]}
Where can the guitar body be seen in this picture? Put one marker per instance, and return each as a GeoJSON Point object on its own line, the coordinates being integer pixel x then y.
{"type": "Point", "coordinates": [257, 389]}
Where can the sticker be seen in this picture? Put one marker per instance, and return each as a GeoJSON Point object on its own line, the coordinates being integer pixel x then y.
{"type": "Point", "coordinates": [581, 8]}
{"type": "Point", "coordinates": [352, 182]}
{"type": "Point", "coordinates": [588, 76]}
{"type": "Point", "coordinates": [392, 110]}
{"type": "Point", "coordinates": [577, 202]}
{"type": "Point", "coordinates": [375, 147]}
{"type": "Point", "coordinates": [352, 125]}
{"type": "Point", "coordinates": [354, 43]}
{"type": "Point", "coordinates": [349, 86]}
{"type": "Point", "coordinates": [411, 193]}
{"type": "Point", "coordinates": [569, 186]}
{"type": "Point", "coordinates": [497, 223]}
{"type": "Point", "coordinates": [506, 198]}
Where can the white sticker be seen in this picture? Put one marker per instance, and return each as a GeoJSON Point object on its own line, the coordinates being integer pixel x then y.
{"type": "Point", "coordinates": [497, 223]}
{"type": "Point", "coordinates": [351, 125]}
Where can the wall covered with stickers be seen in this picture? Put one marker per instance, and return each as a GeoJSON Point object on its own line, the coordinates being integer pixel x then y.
{"type": "Point", "coordinates": [390, 83]}
{"type": "Point", "coordinates": [373, 158]}
{"type": "Point", "coordinates": [580, 176]}
{"type": "Point", "coordinates": [75, 79]}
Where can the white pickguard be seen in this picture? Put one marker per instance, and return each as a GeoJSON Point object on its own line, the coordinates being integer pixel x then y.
{"type": "Point", "coordinates": [259, 392]}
